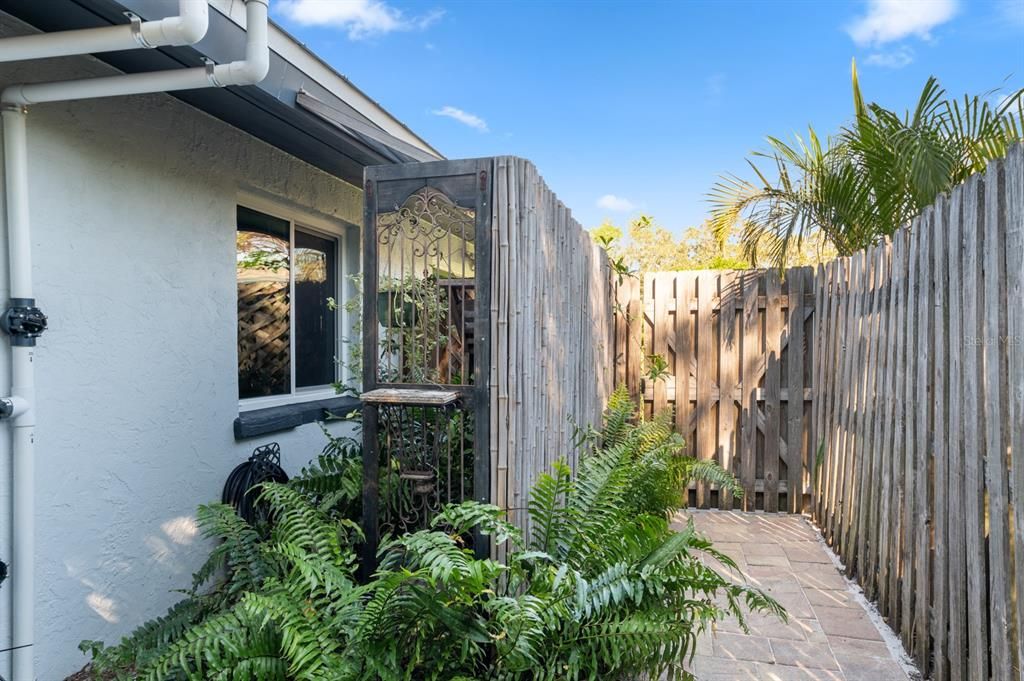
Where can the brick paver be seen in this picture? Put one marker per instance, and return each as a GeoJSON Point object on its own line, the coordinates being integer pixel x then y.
{"type": "Point", "coordinates": [829, 636]}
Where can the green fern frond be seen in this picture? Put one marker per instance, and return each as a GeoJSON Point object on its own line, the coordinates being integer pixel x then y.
{"type": "Point", "coordinates": [550, 518]}
{"type": "Point", "coordinates": [618, 415]}
{"type": "Point", "coordinates": [706, 470]}
{"type": "Point", "coordinates": [460, 519]}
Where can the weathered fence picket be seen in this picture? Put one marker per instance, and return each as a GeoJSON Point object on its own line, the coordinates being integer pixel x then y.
{"type": "Point", "coordinates": [1014, 247]}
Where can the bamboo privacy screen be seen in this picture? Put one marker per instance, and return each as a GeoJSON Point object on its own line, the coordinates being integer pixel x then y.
{"type": "Point", "coordinates": [552, 332]}
{"type": "Point", "coordinates": [739, 373]}
{"type": "Point", "coordinates": [921, 370]}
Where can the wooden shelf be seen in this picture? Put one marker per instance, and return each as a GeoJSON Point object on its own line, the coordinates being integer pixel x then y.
{"type": "Point", "coordinates": [427, 397]}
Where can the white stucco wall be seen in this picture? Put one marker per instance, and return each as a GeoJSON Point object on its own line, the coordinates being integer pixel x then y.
{"type": "Point", "coordinates": [132, 205]}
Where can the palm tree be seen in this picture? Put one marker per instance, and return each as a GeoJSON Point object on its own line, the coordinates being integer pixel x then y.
{"type": "Point", "coordinates": [868, 180]}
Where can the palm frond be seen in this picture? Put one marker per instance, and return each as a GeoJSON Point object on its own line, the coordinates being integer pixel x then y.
{"type": "Point", "coordinates": [875, 176]}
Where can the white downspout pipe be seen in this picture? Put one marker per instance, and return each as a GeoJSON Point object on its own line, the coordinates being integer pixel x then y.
{"type": "Point", "coordinates": [188, 28]}
{"type": "Point", "coordinates": [250, 70]}
{"type": "Point", "coordinates": [22, 402]}
{"type": "Point", "coordinates": [20, 406]}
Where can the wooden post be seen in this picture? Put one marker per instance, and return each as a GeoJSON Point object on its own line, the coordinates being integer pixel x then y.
{"type": "Point", "coordinates": [887, 526]}
{"type": "Point", "coordinates": [974, 483]}
{"type": "Point", "coordinates": [848, 344]}
{"type": "Point", "coordinates": [902, 250]}
{"type": "Point", "coordinates": [996, 427]}
{"type": "Point", "coordinates": [705, 378]}
{"type": "Point", "coordinates": [772, 388]}
{"type": "Point", "coordinates": [1014, 289]}
{"type": "Point", "coordinates": [661, 291]}
{"type": "Point", "coordinates": [684, 357]}
{"type": "Point", "coordinates": [880, 331]}
{"type": "Point", "coordinates": [751, 353]}
{"type": "Point", "coordinates": [956, 537]}
{"type": "Point", "coordinates": [923, 397]}
{"type": "Point", "coordinates": [910, 400]}
{"type": "Point", "coordinates": [728, 342]}
{"type": "Point", "coordinates": [939, 438]}
{"type": "Point", "coordinates": [817, 386]}
{"type": "Point", "coordinates": [795, 392]}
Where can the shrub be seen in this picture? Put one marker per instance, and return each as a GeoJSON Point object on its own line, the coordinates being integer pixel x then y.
{"type": "Point", "coordinates": [601, 586]}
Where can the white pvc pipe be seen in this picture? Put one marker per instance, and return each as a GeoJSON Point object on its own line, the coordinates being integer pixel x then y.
{"type": "Point", "coordinates": [22, 386]}
{"type": "Point", "coordinates": [13, 101]}
{"type": "Point", "coordinates": [187, 28]}
{"type": "Point", "coordinates": [250, 70]}
{"type": "Point", "coordinates": [16, 181]}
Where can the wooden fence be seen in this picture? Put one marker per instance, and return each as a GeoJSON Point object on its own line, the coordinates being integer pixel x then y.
{"type": "Point", "coordinates": [739, 373]}
{"type": "Point", "coordinates": [920, 368]}
{"type": "Point", "coordinates": [909, 362]}
{"type": "Point", "coordinates": [552, 327]}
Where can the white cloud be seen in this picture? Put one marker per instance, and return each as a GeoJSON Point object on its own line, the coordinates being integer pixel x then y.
{"type": "Point", "coordinates": [359, 18]}
{"type": "Point", "coordinates": [891, 59]}
{"type": "Point", "coordinates": [616, 204]}
{"type": "Point", "coordinates": [464, 117]}
{"type": "Point", "coordinates": [889, 20]}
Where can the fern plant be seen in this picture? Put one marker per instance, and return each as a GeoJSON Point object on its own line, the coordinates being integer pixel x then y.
{"type": "Point", "coordinates": [599, 585]}
{"type": "Point", "coordinates": [226, 626]}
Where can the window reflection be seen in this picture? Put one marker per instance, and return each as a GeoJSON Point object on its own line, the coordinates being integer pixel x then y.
{"type": "Point", "coordinates": [315, 323]}
{"type": "Point", "coordinates": [264, 318]}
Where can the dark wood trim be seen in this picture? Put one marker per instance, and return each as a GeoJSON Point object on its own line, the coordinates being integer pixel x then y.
{"type": "Point", "coordinates": [259, 422]}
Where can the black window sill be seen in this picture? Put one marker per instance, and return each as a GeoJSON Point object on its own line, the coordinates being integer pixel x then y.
{"type": "Point", "coordinates": [275, 419]}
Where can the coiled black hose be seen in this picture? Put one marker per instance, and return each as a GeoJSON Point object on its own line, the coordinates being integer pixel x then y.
{"type": "Point", "coordinates": [240, 488]}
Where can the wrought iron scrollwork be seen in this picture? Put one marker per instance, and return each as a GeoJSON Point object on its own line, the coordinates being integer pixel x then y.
{"type": "Point", "coordinates": [426, 217]}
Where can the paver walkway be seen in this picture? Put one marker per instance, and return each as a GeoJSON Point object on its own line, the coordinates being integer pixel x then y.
{"type": "Point", "coordinates": [830, 636]}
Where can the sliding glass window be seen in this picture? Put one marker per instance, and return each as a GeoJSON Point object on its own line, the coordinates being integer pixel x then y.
{"type": "Point", "coordinates": [287, 329]}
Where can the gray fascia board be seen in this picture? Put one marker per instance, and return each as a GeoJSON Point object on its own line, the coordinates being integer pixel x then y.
{"type": "Point", "coordinates": [351, 124]}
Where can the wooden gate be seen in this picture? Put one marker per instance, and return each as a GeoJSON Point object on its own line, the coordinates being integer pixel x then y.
{"type": "Point", "coordinates": [738, 374]}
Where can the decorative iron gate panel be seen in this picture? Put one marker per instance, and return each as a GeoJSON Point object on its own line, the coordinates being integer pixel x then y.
{"type": "Point", "coordinates": [426, 345]}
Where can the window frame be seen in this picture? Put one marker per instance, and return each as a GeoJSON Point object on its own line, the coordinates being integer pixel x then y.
{"type": "Point", "coordinates": [341, 232]}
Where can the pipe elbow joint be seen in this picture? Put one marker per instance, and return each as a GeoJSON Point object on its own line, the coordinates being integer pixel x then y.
{"type": "Point", "coordinates": [13, 98]}
{"type": "Point", "coordinates": [256, 65]}
{"type": "Point", "coordinates": [176, 31]}
{"type": "Point", "coordinates": [257, 49]}
{"type": "Point", "coordinates": [188, 28]}
{"type": "Point", "coordinates": [246, 72]}
{"type": "Point", "coordinates": [254, 70]}
{"type": "Point", "coordinates": [194, 21]}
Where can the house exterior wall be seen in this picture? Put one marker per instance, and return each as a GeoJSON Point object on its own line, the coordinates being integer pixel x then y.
{"type": "Point", "coordinates": [133, 237]}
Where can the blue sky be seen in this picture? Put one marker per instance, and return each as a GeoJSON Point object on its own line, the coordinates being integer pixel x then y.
{"type": "Point", "coordinates": [639, 106]}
